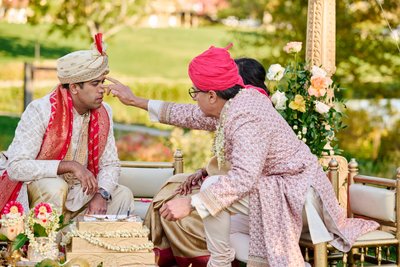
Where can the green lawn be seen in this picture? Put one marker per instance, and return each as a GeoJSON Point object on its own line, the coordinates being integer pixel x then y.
{"type": "Point", "coordinates": [149, 54]}
{"type": "Point", "coordinates": [7, 126]}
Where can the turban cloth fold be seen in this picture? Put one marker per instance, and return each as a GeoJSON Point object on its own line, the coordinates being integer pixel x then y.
{"type": "Point", "coordinates": [215, 70]}
{"type": "Point", "coordinates": [83, 65]}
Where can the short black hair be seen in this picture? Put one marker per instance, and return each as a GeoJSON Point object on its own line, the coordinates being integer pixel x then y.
{"type": "Point", "coordinates": [230, 92]}
{"type": "Point", "coordinates": [66, 85]}
{"type": "Point", "coordinates": [252, 72]}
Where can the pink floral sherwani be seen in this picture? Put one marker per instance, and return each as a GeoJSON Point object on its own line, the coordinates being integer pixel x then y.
{"type": "Point", "coordinates": [275, 169]}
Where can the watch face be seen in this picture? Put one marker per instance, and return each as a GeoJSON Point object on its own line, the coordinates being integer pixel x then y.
{"type": "Point", "coordinates": [105, 194]}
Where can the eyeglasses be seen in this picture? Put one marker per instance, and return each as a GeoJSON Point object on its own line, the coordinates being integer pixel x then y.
{"type": "Point", "coordinates": [193, 92]}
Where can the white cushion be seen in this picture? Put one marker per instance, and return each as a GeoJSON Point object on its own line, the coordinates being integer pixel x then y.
{"type": "Point", "coordinates": [144, 182]}
{"type": "Point", "coordinates": [376, 235]}
{"type": "Point", "coordinates": [374, 202]}
{"type": "Point", "coordinates": [240, 243]}
{"type": "Point", "coordinates": [141, 208]}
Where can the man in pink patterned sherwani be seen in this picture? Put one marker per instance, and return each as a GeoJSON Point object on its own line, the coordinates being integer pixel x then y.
{"type": "Point", "coordinates": [272, 172]}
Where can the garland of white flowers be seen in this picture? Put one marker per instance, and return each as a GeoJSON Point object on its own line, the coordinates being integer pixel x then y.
{"type": "Point", "coordinates": [9, 221]}
{"type": "Point", "coordinates": [42, 248]}
{"type": "Point", "coordinates": [219, 140]}
{"type": "Point", "coordinates": [92, 238]}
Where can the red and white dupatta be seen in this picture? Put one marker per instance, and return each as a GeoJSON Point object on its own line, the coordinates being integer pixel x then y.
{"type": "Point", "coordinates": [57, 139]}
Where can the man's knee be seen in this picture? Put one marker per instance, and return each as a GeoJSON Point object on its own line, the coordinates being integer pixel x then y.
{"type": "Point", "coordinates": [122, 196]}
{"type": "Point", "coordinates": [51, 190]}
{"type": "Point", "coordinates": [125, 191]}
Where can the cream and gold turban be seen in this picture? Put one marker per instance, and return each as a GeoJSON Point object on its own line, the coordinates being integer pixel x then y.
{"type": "Point", "coordinates": [83, 65]}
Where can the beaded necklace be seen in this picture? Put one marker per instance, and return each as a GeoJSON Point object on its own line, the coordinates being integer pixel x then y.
{"type": "Point", "coordinates": [219, 140]}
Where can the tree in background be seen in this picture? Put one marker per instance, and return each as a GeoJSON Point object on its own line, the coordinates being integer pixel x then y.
{"type": "Point", "coordinates": [86, 17]}
{"type": "Point", "coordinates": [368, 58]}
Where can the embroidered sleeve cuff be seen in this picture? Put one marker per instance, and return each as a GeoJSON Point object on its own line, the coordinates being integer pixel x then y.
{"type": "Point", "coordinates": [209, 202]}
{"type": "Point", "coordinates": [154, 107]}
{"type": "Point", "coordinates": [198, 205]}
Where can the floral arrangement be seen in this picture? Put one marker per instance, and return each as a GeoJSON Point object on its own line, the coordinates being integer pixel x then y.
{"type": "Point", "coordinates": [43, 221]}
{"type": "Point", "coordinates": [41, 226]}
{"type": "Point", "coordinates": [306, 97]}
{"type": "Point", "coordinates": [12, 221]}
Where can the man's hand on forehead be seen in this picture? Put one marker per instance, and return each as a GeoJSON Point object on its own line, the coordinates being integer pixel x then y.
{"type": "Point", "coordinates": [109, 87]}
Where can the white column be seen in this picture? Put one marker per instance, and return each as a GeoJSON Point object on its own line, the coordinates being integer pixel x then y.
{"type": "Point", "coordinates": [321, 34]}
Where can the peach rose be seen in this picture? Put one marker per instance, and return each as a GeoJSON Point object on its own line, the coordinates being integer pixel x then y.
{"type": "Point", "coordinates": [319, 85]}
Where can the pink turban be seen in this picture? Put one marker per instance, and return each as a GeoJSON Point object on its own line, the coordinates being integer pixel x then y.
{"type": "Point", "coordinates": [214, 69]}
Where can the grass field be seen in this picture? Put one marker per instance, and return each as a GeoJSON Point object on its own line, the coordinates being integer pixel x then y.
{"type": "Point", "coordinates": [148, 54]}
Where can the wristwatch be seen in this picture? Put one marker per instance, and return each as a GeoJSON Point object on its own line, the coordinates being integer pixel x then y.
{"type": "Point", "coordinates": [104, 194]}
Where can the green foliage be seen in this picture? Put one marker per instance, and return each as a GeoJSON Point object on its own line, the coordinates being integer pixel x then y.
{"type": "Point", "coordinates": [39, 230]}
{"type": "Point", "coordinates": [86, 17]}
{"type": "Point", "coordinates": [243, 9]}
{"type": "Point", "coordinates": [19, 241]}
{"type": "Point", "coordinates": [370, 140]}
{"type": "Point", "coordinates": [367, 57]}
{"type": "Point", "coordinates": [47, 263]}
{"type": "Point", "coordinates": [7, 126]}
{"type": "Point", "coordinates": [3, 238]}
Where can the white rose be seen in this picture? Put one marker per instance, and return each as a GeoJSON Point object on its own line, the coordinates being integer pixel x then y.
{"type": "Point", "coordinates": [279, 100]}
{"type": "Point", "coordinates": [316, 71]}
{"type": "Point", "coordinates": [321, 108]}
{"type": "Point", "coordinates": [304, 130]}
{"type": "Point", "coordinates": [275, 72]}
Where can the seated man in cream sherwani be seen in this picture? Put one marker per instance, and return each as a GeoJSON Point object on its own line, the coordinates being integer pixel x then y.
{"type": "Point", "coordinates": [64, 149]}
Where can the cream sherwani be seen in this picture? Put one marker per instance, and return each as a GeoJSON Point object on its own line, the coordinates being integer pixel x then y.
{"type": "Point", "coordinates": [275, 169]}
{"type": "Point", "coordinates": [41, 175]}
